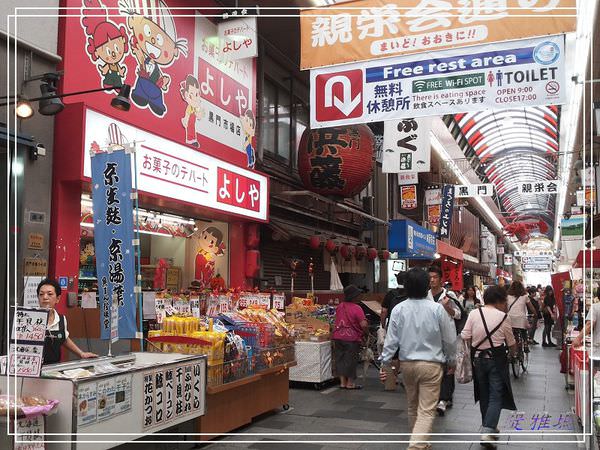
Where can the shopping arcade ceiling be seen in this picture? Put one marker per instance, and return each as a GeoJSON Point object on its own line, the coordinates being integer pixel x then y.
{"type": "Point", "coordinates": [513, 146]}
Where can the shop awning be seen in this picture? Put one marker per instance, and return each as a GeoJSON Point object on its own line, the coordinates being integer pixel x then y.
{"type": "Point", "coordinates": [448, 250]}
{"type": "Point", "coordinates": [592, 259]}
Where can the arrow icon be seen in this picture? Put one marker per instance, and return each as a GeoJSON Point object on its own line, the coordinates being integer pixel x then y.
{"type": "Point", "coordinates": [347, 104]}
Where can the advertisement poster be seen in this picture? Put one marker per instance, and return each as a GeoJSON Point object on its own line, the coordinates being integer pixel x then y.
{"type": "Point", "coordinates": [572, 229]}
{"type": "Point", "coordinates": [500, 76]}
{"type": "Point", "coordinates": [106, 391]}
{"type": "Point", "coordinates": [86, 404]}
{"type": "Point", "coordinates": [433, 197]}
{"type": "Point", "coordinates": [369, 29]}
{"type": "Point", "coordinates": [113, 241]}
{"type": "Point", "coordinates": [433, 214]}
{"type": "Point", "coordinates": [122, 393]}
{"type": "Point", "coordinates": [408, 197]}
{"type": "Point", "coordinates": [406, 146]}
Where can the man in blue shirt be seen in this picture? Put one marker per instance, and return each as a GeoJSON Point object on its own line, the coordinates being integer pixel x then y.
{"type": "Point", "coordinates": [424, 335]}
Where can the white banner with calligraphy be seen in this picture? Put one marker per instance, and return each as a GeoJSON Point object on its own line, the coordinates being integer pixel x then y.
{"type": "Point", "coordinates": [474, 190]}
{"type": "Point", "coordinates": [171, 170]}
{"type": "Point", "coordinates": [538, 187]}
{"type": "Point", "coordinates": [406, 146]}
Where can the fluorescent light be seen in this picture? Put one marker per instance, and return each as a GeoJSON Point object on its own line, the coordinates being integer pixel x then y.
{"type": "Point", "coordinates": [91, 225]}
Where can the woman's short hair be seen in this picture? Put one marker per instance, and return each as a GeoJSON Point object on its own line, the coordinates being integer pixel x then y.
{"type": "Point", "coordinates": [49, 282]}
{"type": "Point", "coordinates": [494, 295]}
{"type": "Point", "coordinates": [416, 283]}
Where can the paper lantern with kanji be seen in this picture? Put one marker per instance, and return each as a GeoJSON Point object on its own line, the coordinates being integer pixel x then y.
{"type": "Point", "coordinates": [315, 241]}
{"type": "Point", "coordinates": [336, 161]}
{"type": "Point", "coordinates": [347, 251]}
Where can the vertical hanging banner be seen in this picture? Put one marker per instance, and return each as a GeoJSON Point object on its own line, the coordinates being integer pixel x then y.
{"type": "Point", "coordinates": [446, 212]}
{"type": "Point", "coordinates": [408, 197]}
{"type": "Point", "coordinates": [113, 238]}
{"type": "Point", "coordinates": [406, 146]}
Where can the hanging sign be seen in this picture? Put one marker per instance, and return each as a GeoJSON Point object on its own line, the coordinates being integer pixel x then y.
{"type": "Point", "coordinates": [499, 76]}
{"type": "Point", "coordinates": [446, 211]}
{"type": "Point", "coordinates": [539, 187]}
{"type": "Point", "coordinates": [113, 241]}
{"type": "Point", "coordinates": [408, 197]}
{"type": "Point", "coordinates": [500, 250]}
{"type": "Point", "coordinates": [364, 30]}
{"type": "Point", "coordinates": [406, 146]}
{"type": "Point", "coordinates": [474, 190]}
{"type": "Point", "coordinates": [433, 214]}
{"type": "Point", "coordinates": [433, 197]}
{"type": "Point", "coordinates": [508, 259]}
{"type": "Point", "coordinates": [237, 38]}
{"type": "Point", "coordinates": [408, 178]}
{"type": "Point", "coordinates": [572, 229]}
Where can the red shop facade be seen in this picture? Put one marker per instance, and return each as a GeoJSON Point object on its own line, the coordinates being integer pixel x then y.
{"type": "Point", "coordinates": [190, 122]}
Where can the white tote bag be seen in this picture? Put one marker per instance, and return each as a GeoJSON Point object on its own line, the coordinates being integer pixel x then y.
{"type": "Point", "coordinates": [464, 369]}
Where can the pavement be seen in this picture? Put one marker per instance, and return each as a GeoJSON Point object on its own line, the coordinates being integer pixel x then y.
{"type": "Point", "coordinates": [374, 419]}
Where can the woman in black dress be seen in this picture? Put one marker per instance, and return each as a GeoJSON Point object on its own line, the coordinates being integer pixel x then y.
{"type": "Point", "coordinates": [548, 314]}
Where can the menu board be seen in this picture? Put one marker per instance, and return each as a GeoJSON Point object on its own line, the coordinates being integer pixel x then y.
{"type": "Point", "coordinates": [25, 360]}
{"type": "Point", "coordinates": [106, 398]}
{"type": "Point", "coordinates": [30, 433]}
{"type": "Point", "coordinates": [159, 397]}
{"type": "Point", "coordinates": [30, 325]}
{"type": "Point", "coordinates": [148, 412]}
{"type": "Point", "coordinates": [27, 342]}
{"type": "Point", "coordinates": [86, 404]}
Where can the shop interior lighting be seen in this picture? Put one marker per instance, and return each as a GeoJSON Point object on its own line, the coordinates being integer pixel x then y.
{"type": "Point", "coordinates": [586, 16]}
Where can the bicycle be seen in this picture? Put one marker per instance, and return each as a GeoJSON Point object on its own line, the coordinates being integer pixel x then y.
{"type": "Point", "coordinates": [521, 359]}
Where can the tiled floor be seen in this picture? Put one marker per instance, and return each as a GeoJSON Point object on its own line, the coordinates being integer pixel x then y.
{"type": "Point", "coordinates": [360, 419]}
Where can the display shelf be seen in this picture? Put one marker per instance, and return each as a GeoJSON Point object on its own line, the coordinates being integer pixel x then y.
{"type": "Point", "coordinates": [232, 385]}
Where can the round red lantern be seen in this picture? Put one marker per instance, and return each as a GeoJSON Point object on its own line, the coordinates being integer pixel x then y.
{"type": "Point", "coordinates": [385, 254]}
{"type": "Point", "coordinates": [360, 252]}
{"type": "Point", "coordinates": [315, 241]}
{"type": "Point", "coordinates": [346, 251]}
{"type": "Point", "coordinates": [331, 246]}
{"type": "Point", "coordinates": [336, 161]}
{"type": "Point", "coordinates": [371, 253]}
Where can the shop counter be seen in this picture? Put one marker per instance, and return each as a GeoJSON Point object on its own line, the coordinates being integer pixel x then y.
{"type": "Point", "coordinates": [232, 405]}
{"type": "Point", "coordinates": [118, 398]}
{"type": "Point", "coordinates": [314, 362]}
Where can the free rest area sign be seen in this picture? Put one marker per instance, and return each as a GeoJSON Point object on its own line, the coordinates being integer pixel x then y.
{"type": "Point", "coordinates": [175, 171]}
{"type": "Point", "coordinates": [503, 75]}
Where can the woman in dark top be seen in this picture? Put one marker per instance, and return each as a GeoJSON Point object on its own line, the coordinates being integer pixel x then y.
{"type": "Point", "coordinates": [531, 291]}
{"type": "Point", "coordinates": [548, 314]}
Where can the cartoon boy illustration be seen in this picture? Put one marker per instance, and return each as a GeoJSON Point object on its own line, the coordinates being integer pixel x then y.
{"type": "Point", "coordinates": [190, 92]}
{"type": "Point", "coordinates": [106, 42]}
{"type": "Point", "coordinates": [154, 44]}
{"type": "Point", "coordinates": [211, 246]}
{"type": "Point", "coordinates": [249, 126]}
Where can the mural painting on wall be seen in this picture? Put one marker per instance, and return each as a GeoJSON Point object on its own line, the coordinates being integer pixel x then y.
{"type": "Point", "coordinates": [180, 75]}
{"type": "Point", "coordinates": [211, 245]}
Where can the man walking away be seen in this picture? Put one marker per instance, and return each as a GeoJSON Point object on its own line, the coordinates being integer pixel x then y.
{"type": "Point", "coordinates": [424, 335]}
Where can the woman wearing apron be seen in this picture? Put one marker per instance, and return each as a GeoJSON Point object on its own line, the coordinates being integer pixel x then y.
{"type": "Point", "coordinates": [57, 335]}
{"type": "Point", "coordinates": [489, 335]}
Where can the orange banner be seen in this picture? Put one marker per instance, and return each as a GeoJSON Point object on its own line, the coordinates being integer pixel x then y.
{"type": "Point", "coordinates": [371, 29]}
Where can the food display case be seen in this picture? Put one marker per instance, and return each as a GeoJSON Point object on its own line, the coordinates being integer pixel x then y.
{"type": "Point", "coordinates": [118, 399]}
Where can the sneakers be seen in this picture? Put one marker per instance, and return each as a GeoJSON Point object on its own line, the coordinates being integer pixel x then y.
{"type": "Point", "coordinates": [441, 408]}
{"type": "Point", "coordinates": [488, 441]}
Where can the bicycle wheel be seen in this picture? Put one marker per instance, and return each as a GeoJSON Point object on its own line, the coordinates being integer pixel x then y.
{"type": "Point", "coordinates": [516, 367]}
{"type": "Point", "coordinates": [525, 361]}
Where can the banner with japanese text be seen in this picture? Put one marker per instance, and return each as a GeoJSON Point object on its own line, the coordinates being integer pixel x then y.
{"type": "Point", "coordinates": [406, 146]}
{"type": "Point", "coordinates": [113, 240]}
{"type": "Point", "coordinates": [474, 190]}
{"type": "Point", "coordinates": [370, 29]}
{"type": "Point", "coordinates": [170, 170]}
{"type": "Point", "coordinates": [506, 75]}
{"type": "Point", "coordinates": [538, 187]}
{"type": "Point", "coordinates": [446, 211]}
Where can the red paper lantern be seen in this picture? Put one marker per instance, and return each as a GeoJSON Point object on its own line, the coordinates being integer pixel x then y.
{"type": "Point", "coordinates": [336, 161]}
{"type": "Point", "coordinates": [345, 252]}
{"type": "Point", "coordinates": [331, 246]}
{"type": "Point", "coordinates": [371, 253]}
{"type": "Point", "coordinates": [385, 254]}
{"type": "Point", "coordinates": [315, 241]}
{"type": "Point", "coordinates": [360, 252]}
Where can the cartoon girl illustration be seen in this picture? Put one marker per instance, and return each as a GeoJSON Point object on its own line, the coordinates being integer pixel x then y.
{"type": "Point", "coordinates": [211, 246]}
{"type": "Point", "coordinates": [106, 42]}
{"type": "Point", "coordinates": [190, 92]}
{"type": "Point", "coordinates": [249, 126]}
{"type": "Point", "coordinates": [154, 44]}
